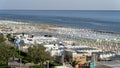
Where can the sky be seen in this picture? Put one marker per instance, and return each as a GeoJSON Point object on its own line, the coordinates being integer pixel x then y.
{"type": "Point", "coordinates": [59, 4]}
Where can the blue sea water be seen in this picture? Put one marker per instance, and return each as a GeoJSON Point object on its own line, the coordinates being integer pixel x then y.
{"type": "Point", "coordinates": [108, 20]}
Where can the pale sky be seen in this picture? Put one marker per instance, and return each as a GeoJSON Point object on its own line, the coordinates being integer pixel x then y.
{"type": "Point", "coordinates": [60, 4]}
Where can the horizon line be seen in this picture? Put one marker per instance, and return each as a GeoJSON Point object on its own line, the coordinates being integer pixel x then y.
{"type": "Point", "coordinates": [60, 10]}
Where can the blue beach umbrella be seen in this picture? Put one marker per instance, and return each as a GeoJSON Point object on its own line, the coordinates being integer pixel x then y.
{"type": "Point", "coordinates": [91, 64]}
{"type": "Point", "coordinates": [16, 42]}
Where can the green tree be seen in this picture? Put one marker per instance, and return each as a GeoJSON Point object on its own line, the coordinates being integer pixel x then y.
{"type": "Point", "coordinates": [6, 52]}
{"type": "Point", "coordinates": [37, 54]}
{"type": "Point", "coordinates": [24, 57]}
{"type": "Point", "coordinates": [2, 39]}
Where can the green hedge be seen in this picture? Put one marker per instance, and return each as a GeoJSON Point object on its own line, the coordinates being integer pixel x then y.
{"type": "Point", "coordinates": [54, 64]}
{"type": "Point", "coordinates": [2, 63]}
{"type": "Point", "coordinates": [37, 66]}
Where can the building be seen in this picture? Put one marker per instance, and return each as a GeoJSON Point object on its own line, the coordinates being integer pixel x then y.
{"type": "Point", "coordinates": [89, 50]}
{"type": "Point", "coordinates": [31, 39]}
{"type": "Point", "coordinates": [103, 56]}
{"type": "Point", "coordinates": [71, 55]}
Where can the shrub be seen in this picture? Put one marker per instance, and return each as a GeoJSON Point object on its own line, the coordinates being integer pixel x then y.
{"type": "Point", "coordinates": [37, 66]}
{"type": "Point", "coordinates": [54, 64]}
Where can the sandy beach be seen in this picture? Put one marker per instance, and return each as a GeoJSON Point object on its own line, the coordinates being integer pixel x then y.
{"type": "Point", "coordinates": [19, 27]}
{"type": "Point", "coordinates": [81, 36]}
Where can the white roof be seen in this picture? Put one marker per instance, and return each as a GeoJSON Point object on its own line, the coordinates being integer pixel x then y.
{"type": "Point", "coordinates": [77, 46]}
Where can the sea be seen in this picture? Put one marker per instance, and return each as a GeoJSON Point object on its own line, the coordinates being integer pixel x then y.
{"type": "Point", "coordinates": [105, 20]}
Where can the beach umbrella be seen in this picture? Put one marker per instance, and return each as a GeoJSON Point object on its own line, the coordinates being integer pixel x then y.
{"type": "Point", "coordinates": [17, 42]}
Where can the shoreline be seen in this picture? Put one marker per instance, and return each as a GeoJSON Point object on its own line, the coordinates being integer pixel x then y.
{"type": "Point", "coordinates": [39, 25]}
{"type": "Point", "coordinates": [10, 23]}
{"type": "Point", "coordinates": [105, 31]}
